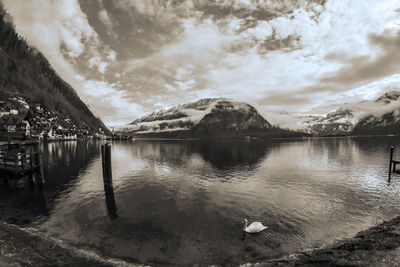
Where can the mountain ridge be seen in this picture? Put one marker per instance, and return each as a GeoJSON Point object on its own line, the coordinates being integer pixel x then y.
{"type": "Point", "coordinates": [378, 116]}
{"type": "Point", "coordinates": [208, 117]}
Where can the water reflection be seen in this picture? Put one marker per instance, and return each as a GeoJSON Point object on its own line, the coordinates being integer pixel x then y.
{"type": "Point", "coordinates": [110, 202]}
{"type": "Point", "coordinates": [42, 202]}
{"type": "Point", "coordinates": [63, 163]}
{"type": "Point", "coordinates": [182, 202]}
{"type": "Point", "coordinates": [221, 154]}
{"type": "Point", "coordinates": [225, 155]}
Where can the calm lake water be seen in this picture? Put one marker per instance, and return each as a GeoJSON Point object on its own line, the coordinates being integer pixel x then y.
{"type": "Point", "coordinates": [182, 202]}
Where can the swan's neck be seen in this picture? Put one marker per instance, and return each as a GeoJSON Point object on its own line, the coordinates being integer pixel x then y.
{"type": "Point", "coordinates": [245, 225]}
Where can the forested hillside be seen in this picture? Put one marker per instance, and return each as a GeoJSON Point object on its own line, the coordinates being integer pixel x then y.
{"type": "Point", "coordinates": [24, 71]}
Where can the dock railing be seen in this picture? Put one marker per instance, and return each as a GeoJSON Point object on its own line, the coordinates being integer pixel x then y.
{"type": "Point", "coordinates": [15, 166]}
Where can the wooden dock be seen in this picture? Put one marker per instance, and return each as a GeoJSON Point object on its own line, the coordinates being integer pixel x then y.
{"type": "Point", "coordinates": [20, 164]}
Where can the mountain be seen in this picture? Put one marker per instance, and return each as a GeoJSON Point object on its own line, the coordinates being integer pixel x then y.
{"type": "Point", "coordinates": [388, 122]}
{"type": "Point", "coordinates": [210, 117]}
{"type": "Point", "coordinates": [339, 122]}
{"type": "Point", "coordinates": [25, 72]}
{"type": "Point", "coordinates": [380, 116]}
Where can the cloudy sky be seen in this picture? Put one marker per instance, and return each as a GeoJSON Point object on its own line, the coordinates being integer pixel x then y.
{"type": "Point", "coordinates": [128, 57]}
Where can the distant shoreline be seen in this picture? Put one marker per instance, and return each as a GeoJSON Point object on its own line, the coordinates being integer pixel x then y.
{"type": "Point", "coordinates": [137, 138]}
{"type": "Point", "coordinates": [255, 138]}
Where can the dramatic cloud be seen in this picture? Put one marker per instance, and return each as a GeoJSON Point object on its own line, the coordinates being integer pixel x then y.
{"type": "Point", "coordinates": [367, 68]}
{"type": "Point", "coordinates": [60, 30]}
{"type": "Point", "coordinates": [285, 57]}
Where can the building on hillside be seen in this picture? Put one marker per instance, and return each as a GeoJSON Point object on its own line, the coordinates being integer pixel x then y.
{"type": "Point", "coordinates": [14, 127]}
{"type": "Point", "coordinates": [39, 109]}
{"type": "Point", "coordinates": [7, 108]}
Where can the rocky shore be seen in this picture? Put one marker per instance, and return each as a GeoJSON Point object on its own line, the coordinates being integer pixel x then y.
{"type": "Point", "coordinates": [377, 246]}
{"type": "Point", "coordinates": [28, 247]}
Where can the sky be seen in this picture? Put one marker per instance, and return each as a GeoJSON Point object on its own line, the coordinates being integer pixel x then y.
{"type": "Point", "coordinates": [287, 58]}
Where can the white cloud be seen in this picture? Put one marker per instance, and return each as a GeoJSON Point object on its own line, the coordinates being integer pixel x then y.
{"type": "Point", "coordinates": [210, 60]}
{"type": "Point", "coordinates": [60, 28]}
{"type": "Point", "coordinates": [103, 16]}
{"type": "Point", "coordinates": [111, 103]}
{"type": "Point", "coordinates": [99, 63]}
{"type": "Point", "coordinates": [112, 55]}
{"type": "Point", "coordinates": [52, 25]}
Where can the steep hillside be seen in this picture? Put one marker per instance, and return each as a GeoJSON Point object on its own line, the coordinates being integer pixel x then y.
{"type": "Point", "coordinates": [210, 117]}
{"type": "Point", "coordinates": [25, 72]}
{"type": "Point", "coordinates": [381, 116]}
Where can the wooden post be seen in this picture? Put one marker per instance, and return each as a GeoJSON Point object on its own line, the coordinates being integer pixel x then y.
{"type": "Point", "coordinates": [106, 163]}
{"type": "Point", "coordinates": [108, 183]}
{"type": "Point", "coordinates": [28, 158]}
{"type": "Point", "coordinates": [103, 161]}
{"type": "Point", "coordinates": [110, 202]}
{"type": "Point", "coordinates": [109, 169]}
{"type": "Point", "coordinates": [19, 161]}
{"type": "Point", "coordinates": [390, 163]}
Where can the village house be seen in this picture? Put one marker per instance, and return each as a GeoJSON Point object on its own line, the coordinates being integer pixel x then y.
{"type": "Point", "coordinates": [7, 108]}
{"type": "Point", "coordinates": [14, 127]}
{"type": "Point", "coordinates": [39, 109]}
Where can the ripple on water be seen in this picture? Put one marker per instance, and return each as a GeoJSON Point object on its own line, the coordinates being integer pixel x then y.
{"type": "Point", "coordinates": [183, 202]}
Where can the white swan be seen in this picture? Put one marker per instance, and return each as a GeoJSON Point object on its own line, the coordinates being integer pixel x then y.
{"type": "Point", "coordinates": [255, 227]}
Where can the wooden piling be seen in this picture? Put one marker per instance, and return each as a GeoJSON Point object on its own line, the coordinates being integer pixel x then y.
{"type": "Point", "coordinates": [108, 183]}
{"type": "Point", "coordinates": [25, 166]}
{"type": "Point", "coordinates": [390, 163]}
{"type": "Point", "coordinates": [19, 161]}
{"type": "Point", "coordinates": [106, 163]}
{"type": "Point", "coordinates": [110, 202]}
{"type": "Point", "coordinates": [104, 149]}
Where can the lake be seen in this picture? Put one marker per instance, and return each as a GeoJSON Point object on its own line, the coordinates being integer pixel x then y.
{"type": "Point", "coordinates": [183, 202]}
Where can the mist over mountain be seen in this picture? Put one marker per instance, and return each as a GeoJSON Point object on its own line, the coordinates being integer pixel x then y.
{"type": "Point", "coordinates": [380, 116]}
{"type": "Point", "coordinates": [25, 72]}
{"type": "Point", "coordinates": [213, 117]}
{"type": "Point", "coordinates": [209, 117]}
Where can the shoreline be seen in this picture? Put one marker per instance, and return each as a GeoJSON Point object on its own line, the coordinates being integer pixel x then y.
{"type": "Point", "coordinates": [26, 246]}
{"type": "Point", "coordinates": [376, 246]}
{"type": "Point", "coordinates": [141, 138]}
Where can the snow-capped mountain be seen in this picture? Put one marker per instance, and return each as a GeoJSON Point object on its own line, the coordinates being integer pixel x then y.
{"type": "Point", "coordinates": [387, 121]}
{"type": "Point", "coordinates": [339, 122]}
{"type": "Point", "coordinates": [205, 117]}
{"type": "Point", "coordinates": [380, 116]}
